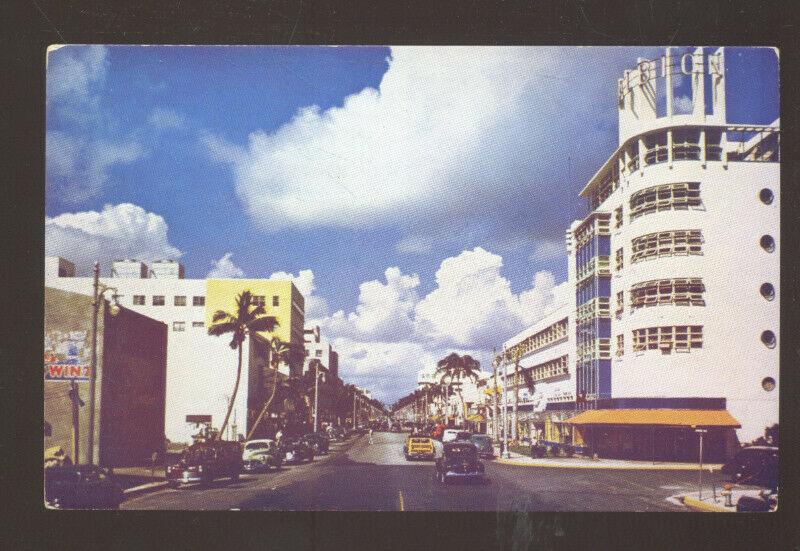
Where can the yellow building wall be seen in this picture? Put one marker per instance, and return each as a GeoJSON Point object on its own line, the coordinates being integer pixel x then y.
{"type": "Point", "coordinates": [221, 295]}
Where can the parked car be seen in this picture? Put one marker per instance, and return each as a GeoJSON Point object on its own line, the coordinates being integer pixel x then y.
{"type": "Point", "coordinates": [318, 441]}
{"type": "Point", "coordinates": [261, 455]}
{"type": "Point", "coordinates": [296, 450]}
{"type": "Point", "coordinates": [451, 435]}
{"type": "Point", "coordinates": [459, 460]}
{"type": "Point", "coordinates": [418, 447]}
{"type": "Point", "coordinates": [484, 444]}
{"type": "Point", "coordinates": [754, 465]}
{"type": "Point", "coordinates": [204, 462]}
{"type": "Point", "coordinates": [81, 487]}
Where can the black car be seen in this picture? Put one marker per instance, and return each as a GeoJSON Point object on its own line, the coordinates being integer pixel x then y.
{"type": "Point", "coordinates": [296, 450]}
{"type": "Point", "coordinates": [204, 462]}
{"type": "Point", "coordinates": [484, 445]}
{"type": "Point", "coordinates": [459, 460]}
{"type": "Point", "coordinates": [754, 465]}
{"type": "Point", "coordinates": [81, 487]}
{"type": "Point", "coordinates": [318, 441]}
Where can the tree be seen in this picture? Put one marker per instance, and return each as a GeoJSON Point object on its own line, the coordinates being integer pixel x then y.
{"type": "Point", "coordinates": [278, 352]}
{"type": "Point", "coordinates": [247, 318]}
{"type": "Point", "coordinates": [456, 368]}
{"type": "Point", "coordinates": [515, 427]}
{"type": "Point", "coordinates": [496, 408]}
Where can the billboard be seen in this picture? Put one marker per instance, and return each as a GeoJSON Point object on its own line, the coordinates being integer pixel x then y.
{"type": "Point", "coordinates": [66, 356]}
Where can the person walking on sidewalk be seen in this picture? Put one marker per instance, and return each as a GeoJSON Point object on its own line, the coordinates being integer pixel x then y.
{"type": "Point", "coordinates": [370, 435]}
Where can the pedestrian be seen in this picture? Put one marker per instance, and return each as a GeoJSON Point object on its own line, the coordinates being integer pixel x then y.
{"type": "Point", "coordinates": [278, 436]}
{"type": "Point", "coordinates": [370, 435]}
{"type": "Point", "coordinates": [154, 462]}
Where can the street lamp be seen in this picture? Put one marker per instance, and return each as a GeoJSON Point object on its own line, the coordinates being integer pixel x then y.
{"type": "Point", "coordinates": [99, 290]}
{"type": "Point", "coordinates": [316, 393]}
{"type": "Point", "coordinates": [505, 404]}
{"type": "Point", "coordinates": [700, 433]}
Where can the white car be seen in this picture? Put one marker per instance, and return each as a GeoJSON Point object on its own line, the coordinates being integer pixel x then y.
{"type": "Point", "coordinates": [451, 435]}
{"type": "Point", "coordinates": [261, 455]}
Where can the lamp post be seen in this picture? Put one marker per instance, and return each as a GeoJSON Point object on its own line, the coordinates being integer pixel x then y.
{"type": "Point", "coordinates": [505, 405]}
{"type": "Point", "coordinates": [316, 394]}
{"type": "Point", "coordinates": [99, 290]}
{"type": "Point", "coordinates": [700, 432]}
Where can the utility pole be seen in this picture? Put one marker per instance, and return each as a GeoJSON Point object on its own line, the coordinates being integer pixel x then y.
{"type": "Point", "coordinates": [355, 397]}
{"type": "Point", "coordinates": [505, 404]}
{"type": "Point", "coordinates": [76, 427]}
{"type": "Point", "coordinates": [316, 394]}
{"type": "Point", "coordinates": [93, 374]}
{"type": "Point", "coordinates": [514, 427]}
{"type": "Point", "coordinates": [496, 409]}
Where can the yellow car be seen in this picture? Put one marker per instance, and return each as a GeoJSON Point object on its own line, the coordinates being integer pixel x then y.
{"type": "Point", "coordinates": [418, 447]}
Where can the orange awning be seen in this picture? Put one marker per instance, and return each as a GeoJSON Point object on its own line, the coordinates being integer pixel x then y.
{"type": "Point", "coordinates": [664, 417]}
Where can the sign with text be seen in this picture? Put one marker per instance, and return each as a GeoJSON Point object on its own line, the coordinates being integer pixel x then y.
{"type": "Point", "coordinates": [198, 419]}
{"type": "Point", "coordinates": [67, 372]}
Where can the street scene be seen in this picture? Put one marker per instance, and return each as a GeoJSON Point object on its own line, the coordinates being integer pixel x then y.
{"type": "Point", "coordinates": [412, 279]}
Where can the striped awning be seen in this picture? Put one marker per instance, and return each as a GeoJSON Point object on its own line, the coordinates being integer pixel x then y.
{"type": "Point", "coordinates": [692, 418]}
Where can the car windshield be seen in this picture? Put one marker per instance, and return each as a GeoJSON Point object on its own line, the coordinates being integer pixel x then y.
{"type": "Point", "coordinates": [481, 441]}
{"type": "Point", "coordinates": [259, 446]}
{"type": "Point", "coordinates": [464, 449]}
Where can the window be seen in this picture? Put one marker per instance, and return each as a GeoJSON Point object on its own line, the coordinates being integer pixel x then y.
{"type": "Point", "coordinates": [259, 300]}
{"type": "Point", "coordinates": [158, 300]}
{"type": "Point", "coordinates": [620, 259]}
{"type": "Point", "coordinates": [546, 370]}
{"type": "Point", "coordinates": [180, 301]}
{"type": "Point", "coordinates": [680, 292]}
{"type": "Point", "coordinates": [678, 338]}
{"type": "Point", "coordinates": [198, 324]}
{"type": "Point", "coordinates": [679, 196]}
{"type": "Point", "coordinates": [138, 300]}
{"type": "Point", "coordinates": [767, 291]}
{"type": "Point", "coordinates": [766, 196]}
{"type": "Point", "coordinates": [318, 353]}
{"type": "Point", "coordinates": [620, 344]}
{"type": "Point", "coordinates": [276, 300]}
{"type": "Point", "coordinates": [666, 243]}
{"type": "Point", "coordinates": [769, 339]}
{"type": "Point", "coordinates": [550, 335]}
{"type": "Point", "coordinates": [767, 243]}
{"type": "Point", "coordinates": [198, 301]}
{"type": "Point", "coordinates": [179, 326]}
{"type": "Point", "coordinates": [620, 303]}
{"type": "Point", "coordinates": [618, 217]}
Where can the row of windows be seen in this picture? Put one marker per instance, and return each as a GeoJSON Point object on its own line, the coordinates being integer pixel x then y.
{"type": "Point", "coordinates": [599, 225]}
{"type": "Point", "coordinates": [549, 369]}
{"type": "Point", "coordinates": [181, 325]}
{"type": "Point", "coordinates": [594, 349]}
{"type": "Point", "coordinates": [545, 337]}
{"type": "Point", "coordinates": [595, 308]}
{"type": "Point", "coordinates": [676, 196]}
{"type": "Point", "coordinates": [180, 300]}
{"type": "Point", "coordinates": [599, 265]}
{"type": "Point", "coordinates": [666, 243]}
{"type": "Point", "coordinates": [679, 291]}
{"type": "Point", "coordinates": [680, 338]}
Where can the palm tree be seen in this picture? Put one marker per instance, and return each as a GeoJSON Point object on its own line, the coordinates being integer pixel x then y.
{"type": "Point", "coordinates": [496, 408]}
{"type": "Point", "coordinates": [247, 318]}
{"type": "Point", "coordinates": [455, 367]}
{"type": "Point", "coordinates": [278, 352]}
{"type": "Point", "coordinates": [515, 427]}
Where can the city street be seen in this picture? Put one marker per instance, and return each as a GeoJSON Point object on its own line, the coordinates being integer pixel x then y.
{"type": "Point", "coordinates": [361, 476]}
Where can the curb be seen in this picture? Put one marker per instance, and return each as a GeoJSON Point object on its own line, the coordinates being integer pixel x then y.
{"type": "Point", "coordinates": [607, 467]}
{"type": "Point", "coordinates": [702, 506]}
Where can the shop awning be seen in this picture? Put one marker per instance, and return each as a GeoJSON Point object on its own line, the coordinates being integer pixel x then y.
{"type": "Point", "coordinates": [662, 417]}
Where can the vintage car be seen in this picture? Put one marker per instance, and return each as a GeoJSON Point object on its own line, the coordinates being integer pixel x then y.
{"type": "Point", "coordinates": [484, 444]}
{"type": "Point", "coordinates": [81, 487]}
{"type": "Point", "coordinates": [754, 466]}
{"type": "Point", "coordinates": [418, 447]}
{"type": "Point", "coordinates": [296, 450]}
{"type": "Point", "coordinates": [459, 460]}
{"type": "Point", "coordinates": [204, 462]}
{"type": "Point", "coordinates": [318, 441]}
{"type": "Point", "coordinates": [261, 455]}
{"type": "Point", "coordinates": [451, 435]}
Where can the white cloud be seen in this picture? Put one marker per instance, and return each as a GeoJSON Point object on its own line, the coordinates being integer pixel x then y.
{"type": "Point", "coordinates": [118, 231]}
{"type": "Point", "coordinates": [166, 119]}
{"type": "Point", "coordinates": [224, 268]}
{"type": "Point", "coordinates": [548, 250]}
{"type": "Point", "coordinates": [437, 128]}
{"type": "Point", "coordinates": [414, 244]}
{"type": "Point", "coordinates": [315, 306]}
{"type": "Point", "coordinates": [73, 73]}
{"type": "Point", "coordinates": [394, 332]}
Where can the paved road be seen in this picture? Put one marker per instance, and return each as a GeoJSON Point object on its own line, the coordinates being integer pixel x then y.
{"type": "Point", "coordinates": [359, 476]}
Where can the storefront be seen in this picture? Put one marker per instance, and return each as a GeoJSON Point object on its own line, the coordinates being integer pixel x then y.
{"type": "Point", "coordinates": [656, 434]}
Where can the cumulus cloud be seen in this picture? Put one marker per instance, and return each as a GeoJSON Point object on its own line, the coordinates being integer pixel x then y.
{"type": "Point", "coordinates": [166, 119]}
{"type": "Point", "coordinates": [394, 332]}
{"type": "Point", "coordinates": [118, 231]}
{"type": "Point", "coordinates": [224, 268]}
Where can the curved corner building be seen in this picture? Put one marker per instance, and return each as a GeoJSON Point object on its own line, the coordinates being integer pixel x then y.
{"type": "Point", "coordinates": [677, 271]}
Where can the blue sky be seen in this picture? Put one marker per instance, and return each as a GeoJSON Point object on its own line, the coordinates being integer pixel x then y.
{"type": "Point", "coordinates": [337, 164]}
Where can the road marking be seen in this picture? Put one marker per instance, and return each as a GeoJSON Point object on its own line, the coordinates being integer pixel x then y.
{"type": "Point", "coordinates": [402, 503]}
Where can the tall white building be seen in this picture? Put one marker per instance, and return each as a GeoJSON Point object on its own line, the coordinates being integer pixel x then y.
{"type": "Point", "coordinates": [677, 265]}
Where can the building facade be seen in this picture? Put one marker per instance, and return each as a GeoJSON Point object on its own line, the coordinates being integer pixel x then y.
{"type": "Point", "coordinates": [201, 369]}
{"type": "Point", "coordinates": [130, 391]}
{"type": "Point", "coordinates": [677, 265]}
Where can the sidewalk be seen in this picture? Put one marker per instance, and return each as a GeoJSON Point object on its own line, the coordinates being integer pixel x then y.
{"type": "Point", "coordinates": [589, 463]}
{"type": "Point", "coordinates": [139, 479]}
{"type": "Point", "coordinates": [711, 505]}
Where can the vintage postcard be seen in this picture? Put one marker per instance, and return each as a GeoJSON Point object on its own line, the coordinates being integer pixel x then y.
{"type": "Point", "coordinates": [310, 278]}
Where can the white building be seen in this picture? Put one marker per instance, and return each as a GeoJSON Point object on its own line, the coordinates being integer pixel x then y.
{"type": "Point", "coordinates": [677, 266]}
{"type": "Point", "coordinates": [201, 369]}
